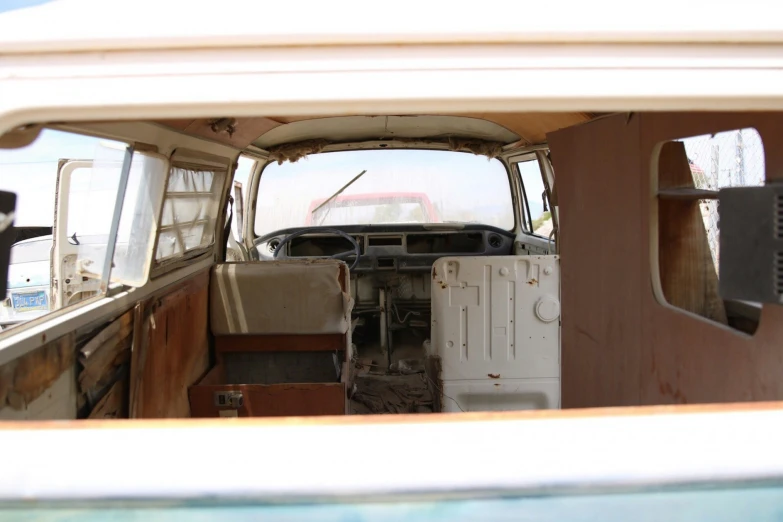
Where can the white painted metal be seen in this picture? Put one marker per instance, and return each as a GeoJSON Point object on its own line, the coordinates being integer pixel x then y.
{"type": "Point", "coordinates": [496, 327]}
{"type": "Point", "coordinates": [501, 395]}
{"type": "Point", "coordinates": [467, 454]}
{"type": "Point", "coordinates": [64, 254]}
{"type": "Point", "coordinates": [357, 128]}
{"type": "Point", "coordinates": [240, 23]}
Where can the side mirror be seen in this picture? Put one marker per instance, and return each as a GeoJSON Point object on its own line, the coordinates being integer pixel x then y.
{"type": "Point", "coordinates": [7, 235]}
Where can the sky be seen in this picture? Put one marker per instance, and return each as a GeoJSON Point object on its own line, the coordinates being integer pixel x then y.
{"type": "Point", "coordinates": [31, 172]}
{"type": "Point", "coordinates": [11, 5]}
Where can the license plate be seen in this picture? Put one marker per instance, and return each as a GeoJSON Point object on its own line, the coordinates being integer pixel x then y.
{"type": "Point", "coordinates": [30, 301]}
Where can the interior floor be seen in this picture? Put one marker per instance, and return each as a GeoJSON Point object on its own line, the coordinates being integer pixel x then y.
{"type": "Point", "coordinates": [400, 387]}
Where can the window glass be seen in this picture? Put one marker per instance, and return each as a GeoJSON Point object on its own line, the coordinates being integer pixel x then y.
{"type": "Point", "coordinates": [43, 277]}
{"type": "Point", "coordinates": [690, 172]}
{"type": "Point", "coordinates": [397, 186]}
{"type": "Point", "coordinates": [245, 166]}
{"type": "Point", "coordinates": [727, 159]}
{"type": "Point", "coordinates": [86, 214]}
{"type": "Point", "coordinates": [139, 220]}
{"type": "Point", "coordinates": [539, 219]}
{"type": "Point", "coordinates": [190, 208]}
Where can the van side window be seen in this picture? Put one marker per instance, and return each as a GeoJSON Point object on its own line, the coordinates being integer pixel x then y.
{"type": "Point", "coordinates": [68, 221]}
{"type": "Point", "coordinates": [190, 208]}
{"type": "Point", "coordinates": [690, 172]}
{"type": "Point", "coordinates": [536, 212]}
{"type": "Point", "coordinates": [235, 251]}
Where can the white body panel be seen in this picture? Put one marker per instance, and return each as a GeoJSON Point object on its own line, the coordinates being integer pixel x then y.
{"type": "Point", "coordinates": [496, 327]}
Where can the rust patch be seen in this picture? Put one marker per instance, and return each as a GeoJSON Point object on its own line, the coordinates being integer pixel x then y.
{"type": "Point", "coordinates": [666, 390]}
{"type": "Point", "coordinates": [497, 384]}
{"type": "Point", "coordinates": [434, 273]}
{"type": "Point", "coordinates": [493, 375]}
{"type": "Point", "coordinates": [533, 282]}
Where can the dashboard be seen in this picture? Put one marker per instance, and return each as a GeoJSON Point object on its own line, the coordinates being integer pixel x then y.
{"type": "Point", "coordinates": [404, 248]}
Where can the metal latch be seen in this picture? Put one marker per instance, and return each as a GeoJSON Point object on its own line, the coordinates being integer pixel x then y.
{"type": "Point", "coordinates": [229, 399]}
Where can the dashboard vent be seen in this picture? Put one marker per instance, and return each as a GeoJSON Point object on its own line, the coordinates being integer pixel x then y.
{"type": "Point", "coordinates": [373, 241]}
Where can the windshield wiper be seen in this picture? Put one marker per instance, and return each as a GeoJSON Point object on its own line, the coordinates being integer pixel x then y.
{"type": "Point", "coordinates": [330, 198]}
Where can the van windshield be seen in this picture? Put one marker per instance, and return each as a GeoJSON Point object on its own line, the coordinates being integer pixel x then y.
{"type": "Point", "coordinates": [403, 186]}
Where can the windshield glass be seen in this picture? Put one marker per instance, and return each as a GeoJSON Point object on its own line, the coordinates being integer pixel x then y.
{"type": "Point", "coordinates": [398, 186]}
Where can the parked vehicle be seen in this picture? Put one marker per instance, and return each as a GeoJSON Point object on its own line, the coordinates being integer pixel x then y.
{"type": "Point", "coordinates": [394, 207]}
{"type": "Point", "coordinates": [28, 294]}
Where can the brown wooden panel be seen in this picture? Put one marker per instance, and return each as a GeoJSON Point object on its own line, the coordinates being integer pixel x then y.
{"type": "Point", "coordinates": [173, 352]}
{"type": "Point", "coordinates": [26, 378]}
{"type": "Point", "coordinates": [273, 400]}
{"type": "Point", "coordinates": [686, 193]}
{"type": "Point", "coordinates": [114, 404]}
{"type": "Point", "coordinates": [101, 356]}
{"type": "Point", "coordinates": [280, 343]}
{"type": "Point", "coordinates": [688, 277]}
{"type": "Point", "coordinates": [600, 249]}
{"type": "Point", "coordinates": [216, 375]}
{"type": "Point", "coordinates": [621, 344]}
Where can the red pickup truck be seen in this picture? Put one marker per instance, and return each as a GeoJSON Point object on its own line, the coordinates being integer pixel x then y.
{"type": "Point", "coordinates": [373, 208]}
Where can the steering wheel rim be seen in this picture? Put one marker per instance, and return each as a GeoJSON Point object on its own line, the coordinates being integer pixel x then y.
{"type": "Point", "coordinates": [334, 231]}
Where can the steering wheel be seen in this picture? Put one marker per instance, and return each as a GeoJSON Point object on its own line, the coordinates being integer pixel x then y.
{"type": "Point", "coordinates": [342, 255]}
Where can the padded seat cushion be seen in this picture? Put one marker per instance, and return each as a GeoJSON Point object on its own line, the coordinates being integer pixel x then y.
{"type": "Point", "coordinates": [280, 297]}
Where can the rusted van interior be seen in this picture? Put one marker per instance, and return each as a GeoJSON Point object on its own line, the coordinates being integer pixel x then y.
{"type": "Point", "coordinates": [234, 266]}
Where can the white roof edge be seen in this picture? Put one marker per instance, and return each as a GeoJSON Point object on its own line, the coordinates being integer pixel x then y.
{"type": "Point", "coordinates": [30, 44]}
{"type": "Point", "coordinates": [465, 453]}
{"type": "Point", "coordinates": [87, 25]}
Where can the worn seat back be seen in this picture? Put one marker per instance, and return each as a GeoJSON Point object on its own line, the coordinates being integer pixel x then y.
{"type": "Point", "coordinates": [282, 334]}
{"type": "Point", "coordinates": [280, 297]}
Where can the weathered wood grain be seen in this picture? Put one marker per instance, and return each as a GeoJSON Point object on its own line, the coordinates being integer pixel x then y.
{"type": "Point", "coordinates": [622, 343]}
{"type": "Point", "coordinates": [173, 350]}
{"type": "Point", "coordinates": [25, 379]}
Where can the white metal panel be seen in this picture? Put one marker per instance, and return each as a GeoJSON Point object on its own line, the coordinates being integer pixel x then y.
{"type": "Point", "coordinates": [498, 318]}
{"type": "Point", "coordinates": [238, 23]}
{"type": "Point", "coordinates": [501, 395]}
{"type": "Point", "coordinates": [484, 317]}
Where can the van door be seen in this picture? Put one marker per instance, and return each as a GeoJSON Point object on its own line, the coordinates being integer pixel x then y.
{"type": "Point", "coordinates": [83, 236]}
{"type": "Point", "coordinates": [70, 283]}
{"type": "Point", "coordinates": [539, 217]}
